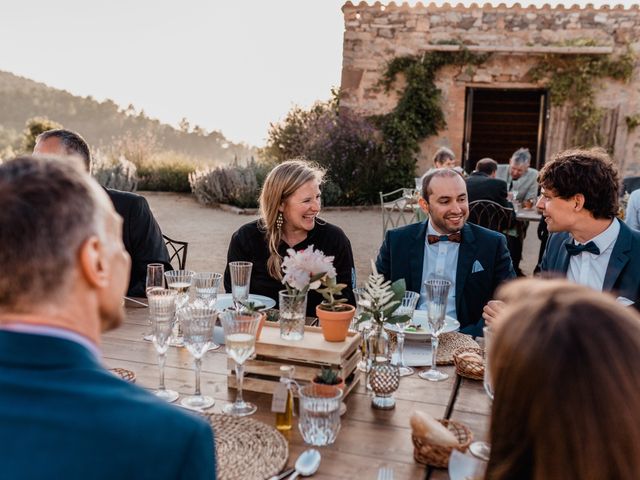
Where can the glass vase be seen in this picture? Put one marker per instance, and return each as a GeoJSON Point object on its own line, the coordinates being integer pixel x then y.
{"type": "Point", "coordinates": [377, 345]}
{"type": "Point", "coordinates": [293, 312]}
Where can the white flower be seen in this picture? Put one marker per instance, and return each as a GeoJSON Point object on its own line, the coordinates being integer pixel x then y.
{"type": "Point", "coordinates": [304, 270]}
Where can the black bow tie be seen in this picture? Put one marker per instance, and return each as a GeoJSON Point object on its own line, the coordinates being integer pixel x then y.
{"type": "Point", "coordinates": [452, 237]}
{"type": "Point", "coordinates": [573, 249]}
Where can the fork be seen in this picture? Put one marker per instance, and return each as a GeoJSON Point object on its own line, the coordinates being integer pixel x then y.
{"type": "Point", "coordinates": [385, 473]}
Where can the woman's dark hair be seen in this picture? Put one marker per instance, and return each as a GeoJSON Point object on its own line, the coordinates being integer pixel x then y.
{"type": "Point", "coordinates": [589, 172]}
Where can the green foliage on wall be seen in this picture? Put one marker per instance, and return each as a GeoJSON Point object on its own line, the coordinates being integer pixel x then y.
{"type": "Point", "coordinates": [418, 113]}
{"type": "Point", "coordinates": [574, 78]}
{"type": "Point", "coordinates": [633, 121]}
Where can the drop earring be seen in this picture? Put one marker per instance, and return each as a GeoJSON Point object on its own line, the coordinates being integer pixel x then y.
{"type": "Point", "coordinates": [279, 220]}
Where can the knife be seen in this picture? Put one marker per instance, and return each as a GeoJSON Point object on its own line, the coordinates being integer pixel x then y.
{"type": "Point", "coordinates": [284, 474]}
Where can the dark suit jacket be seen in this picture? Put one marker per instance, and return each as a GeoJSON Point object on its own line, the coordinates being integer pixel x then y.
{"type": "Point", "coordinates": [623, 272]}
{"type": "Point", "coordinates": [141, 236]}
{"type": "Point", "coordinates": [402, 255]}
{"type": "Point", "coordinates": [64, 416]}
{"type": "Point", "coordinates": [481, 186]}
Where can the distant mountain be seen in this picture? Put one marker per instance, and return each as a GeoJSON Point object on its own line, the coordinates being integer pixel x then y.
{"type": "Point", "coordinates": [102, 122]}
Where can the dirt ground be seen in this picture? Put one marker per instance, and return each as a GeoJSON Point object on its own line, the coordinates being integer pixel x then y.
{"type": "Point", "coordinates": [208, 231]}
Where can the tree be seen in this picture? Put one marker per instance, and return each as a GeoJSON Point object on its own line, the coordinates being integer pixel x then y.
{"type": "Point", "coordinates": [34, 127]}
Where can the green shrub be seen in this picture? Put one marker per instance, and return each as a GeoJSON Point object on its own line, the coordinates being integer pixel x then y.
{"type": "Point", "coordinates": [166, 172]}
{"type": "Point", "coordinates": [118, 173]}
{"type": "Point", "coordinates": [233, 184]}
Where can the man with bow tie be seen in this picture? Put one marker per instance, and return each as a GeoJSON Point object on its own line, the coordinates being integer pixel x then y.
{"type": "Point", "coordinates": [473, 258]}
{"type": "Point", "coordinates": [588, 244]}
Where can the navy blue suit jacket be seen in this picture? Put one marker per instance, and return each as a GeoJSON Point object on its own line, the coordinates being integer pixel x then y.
{"type": "Point", "coordinates": [402, 255]}
{"type": "Point", "coordinates": [623, 272]}
{"type": "Point", "coordinates": [64, 416]}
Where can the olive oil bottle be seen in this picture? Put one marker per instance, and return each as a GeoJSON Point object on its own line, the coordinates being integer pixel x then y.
{"type": "Point", "coordinates": [284, 419]}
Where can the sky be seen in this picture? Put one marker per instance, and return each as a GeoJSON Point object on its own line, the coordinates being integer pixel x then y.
{"type": "Point", "coordinates": [229, 65]}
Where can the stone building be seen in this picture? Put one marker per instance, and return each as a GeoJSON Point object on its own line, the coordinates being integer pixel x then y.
{"type": "Point", "coordinates": [495, 108]}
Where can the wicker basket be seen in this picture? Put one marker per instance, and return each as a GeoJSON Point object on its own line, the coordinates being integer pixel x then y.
{"type": "Point", "coordinates": [437, 455]}
{"type": "Point", "coordinates": [466, 368]}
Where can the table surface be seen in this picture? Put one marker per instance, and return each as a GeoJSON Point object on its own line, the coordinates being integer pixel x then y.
{"type": "Point", "coordinates": [368, 438]}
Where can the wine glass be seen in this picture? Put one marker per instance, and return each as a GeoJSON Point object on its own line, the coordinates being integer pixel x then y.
{"type": "Point", "coordinates": [407, 307]}
{"type": "Point", "coordinates": [240, 273]}
{"type": "Point", "coordinates": [514, 197]}
{"type": "Point", "coordinates": [162, 310]}
{"type": "Point", "coordinates": [180, 281]}
{"type": "Point", "coordinates": [197, 327]}
{"type": "Point", "coordinates": [362, 327]}
{"type": "Point", "coordinates": [480, 448]}
{"type": "Point", "coordinates": [240, 330]}
{"type": "Point", "coordinates": [437, 291]}
{"type": "Point", "coordinates": [206, 287]}
{"type": "Point", "coordinates": [155, 279]}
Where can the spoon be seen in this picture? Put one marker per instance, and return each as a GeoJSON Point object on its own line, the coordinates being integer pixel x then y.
{"type": "Point", "coordinates": [307, 463]}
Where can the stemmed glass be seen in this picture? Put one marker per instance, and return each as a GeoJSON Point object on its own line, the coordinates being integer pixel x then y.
{"type": "Point", "coordinates": [206, 287]}
{"type": "Point", "coordinates": [180, 281]}
{"type": "Point", "coordinates": [362, 327]}
{"type": "Point", "coordinates": [162, 310]}
{"type": "Point", "coordinates": [482, 449]}
{"type": "Point", "coordinates": [514, 197]}
{"type": "Point", "coordinates": [407, 307]}
{"type": "Point", "coordinates": [197, 325]}
{"type": "Point", "coordinates": [437, 291]}
{"type": "Point", "coordinates": [240, 330]}
{"type": "Point", "coordinates": [155, 279]}
{"type": "Point", "coordinates": [240, 273]}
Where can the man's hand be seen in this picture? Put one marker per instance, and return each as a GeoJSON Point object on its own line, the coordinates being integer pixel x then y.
{"type": "Point", "coordinates": [492, 313]}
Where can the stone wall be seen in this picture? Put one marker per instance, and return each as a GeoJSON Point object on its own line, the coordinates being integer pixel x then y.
{"type": "Point", "coordinates": [374, 34]}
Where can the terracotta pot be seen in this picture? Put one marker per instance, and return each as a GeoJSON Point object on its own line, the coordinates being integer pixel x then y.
{"type": "Point", "coordinates": [324, 389]}
{"type": "Point", "coordinates": [335, 325]}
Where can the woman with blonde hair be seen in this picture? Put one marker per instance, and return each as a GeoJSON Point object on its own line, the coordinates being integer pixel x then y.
{"type": "Point", "coordinates": [289, 208]}
{"type": "Point", "coordinates": [565, 368]}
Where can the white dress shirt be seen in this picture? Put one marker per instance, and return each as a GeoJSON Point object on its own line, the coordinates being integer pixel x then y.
{"type": "Point", "coordinates": [440, 261]}
{"type": "Point", "coordinates": [589, 269]}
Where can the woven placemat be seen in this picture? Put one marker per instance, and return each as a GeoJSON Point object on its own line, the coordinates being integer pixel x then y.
{"type": "Point", "coordinates": [247, 449]}
{"type": "Point", "coordinates": [449, 343]}
{"type": "Point", "coordinates": [124, 374]}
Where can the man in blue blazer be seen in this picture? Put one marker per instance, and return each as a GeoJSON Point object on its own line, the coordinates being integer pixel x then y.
{"type": "Point", "coordinates": [474, 258]}
{"type": "Point", "coordinates": [588, 243]}
{"type": "Point", "coordinates": [62, 415]}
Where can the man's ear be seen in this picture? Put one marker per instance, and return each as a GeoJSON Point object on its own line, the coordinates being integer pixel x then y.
{"type": "Point", "coordinates": [423, 205]}
{"type": "Point", "coordinates": [578, 198]}
{"type": "Point", "coordinates": [92, 263]}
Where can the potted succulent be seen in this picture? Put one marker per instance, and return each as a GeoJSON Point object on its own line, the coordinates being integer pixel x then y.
{"type": "Point", "coordinates": [328, 376]}
{"type": "Point", "coordinates": [334, 313]}
{"type": "Point", "coordinates": [252, 307]}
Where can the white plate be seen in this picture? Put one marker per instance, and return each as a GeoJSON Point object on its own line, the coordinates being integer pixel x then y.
{"type": "Point", "coordinates": [420, 318]}
{"type": "Point", "coordinates": [225, 300]}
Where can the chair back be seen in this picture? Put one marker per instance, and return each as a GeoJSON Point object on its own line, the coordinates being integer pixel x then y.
{"type": "Point", "coordinates": [399, 208]}
{"type": "Point", "coordinates": [629, 184]}
{"type": "Point", "coordinates": [177, 251]}
{"type": "Point", "coordinates": [491, 215]}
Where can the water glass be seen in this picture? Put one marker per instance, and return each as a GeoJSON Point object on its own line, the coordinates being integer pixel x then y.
{"type": "Point", "coordinates": [319, 421]}
{"type": "Point", "coordinates": [197, 326]}
{"type": "Point", "coordinates": [240, 330]}
{"type": "Point", "coordinates": [162, 311]}
{"type": "Point", "coordinates": [180, 281]}
{"type": "Point", "coordinates": [437, 292]}
{"type": "Point", "coordinates": [155, 276]}
{"type": "Point", "coordinates": [292, 315]}
{"type": "Point", "coordinates": [206, 286]}
{"type": "Point", "coordinates": [240, 273]}
{"type": "Point", "coordinates": [407, 307]}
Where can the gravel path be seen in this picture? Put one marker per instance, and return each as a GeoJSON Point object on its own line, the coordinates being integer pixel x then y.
{"type": "Point", "coordinates": [208, 231]}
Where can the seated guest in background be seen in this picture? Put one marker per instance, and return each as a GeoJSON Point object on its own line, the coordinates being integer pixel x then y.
{"type": "Point", "coordinates": [289, 208]}
{"type": "Point", "coordinates": [473, 258]}
{"type": "Point", "coordinates": [520, 177]}
{"type": "Point", "coordinates": [444, 158]}
{"type": "Point", "coordinates": [482, 184]}
{"type": "Point", "coordinates": [588, 243]}
{"type": "Point", "coordinates": [566, 386]}
{"type": "Point", "coordinates": [62, 415]}
{"type": "Point", "coordinates": [141, 234]}
{"type": "Point", "coordinates": [632, 214]}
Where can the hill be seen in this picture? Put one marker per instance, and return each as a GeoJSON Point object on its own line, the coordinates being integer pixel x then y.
{"type": "Point", "coordinates": [103, 122]}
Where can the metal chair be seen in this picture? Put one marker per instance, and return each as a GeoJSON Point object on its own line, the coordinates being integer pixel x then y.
{"type": "Point", "coordinates": [177, 250]}
{"type": "Point", "coordinates": [493, 216]}
{"type": "Point", "coordinates": [399, 208]}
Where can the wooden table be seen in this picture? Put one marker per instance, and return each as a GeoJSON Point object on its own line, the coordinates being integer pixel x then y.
{"type": "Point", "coordinates": [368, 438]}
{"type": "Point", "coordinates": [528, 214]}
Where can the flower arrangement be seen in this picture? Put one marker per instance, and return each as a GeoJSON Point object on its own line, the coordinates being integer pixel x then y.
{"type": "Point", "coordinates": [381, 298]}
{"type": "Point", "coordinates": [305, 269]}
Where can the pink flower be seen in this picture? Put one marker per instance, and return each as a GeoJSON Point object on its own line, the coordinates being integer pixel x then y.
{"type": "Point", "coordinates": [303, 270]}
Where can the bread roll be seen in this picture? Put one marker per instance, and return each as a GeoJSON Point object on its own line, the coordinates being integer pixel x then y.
{"type": "Point", "coordinates": [424, 425]}
{"type": "Point", "coordinates": [471, 357]}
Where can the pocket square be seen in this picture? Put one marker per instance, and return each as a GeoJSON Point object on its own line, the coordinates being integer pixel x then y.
{"type": "Point", "coordinates": [477, 267]}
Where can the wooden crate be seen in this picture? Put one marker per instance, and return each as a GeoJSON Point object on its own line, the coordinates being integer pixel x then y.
{"type": "Point", "coordinates": [262, 374]}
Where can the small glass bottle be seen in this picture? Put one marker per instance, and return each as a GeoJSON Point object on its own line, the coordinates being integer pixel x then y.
{"type": "Point", "coordinates": [284, 420]}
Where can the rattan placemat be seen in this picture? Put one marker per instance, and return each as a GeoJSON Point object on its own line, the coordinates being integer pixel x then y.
{"type": "Point", "coordinates": [449, 343]}
{"type": "Point", "coordinates": [124, 374]}
{"type": "Point", "coordinates": [247, 449]}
